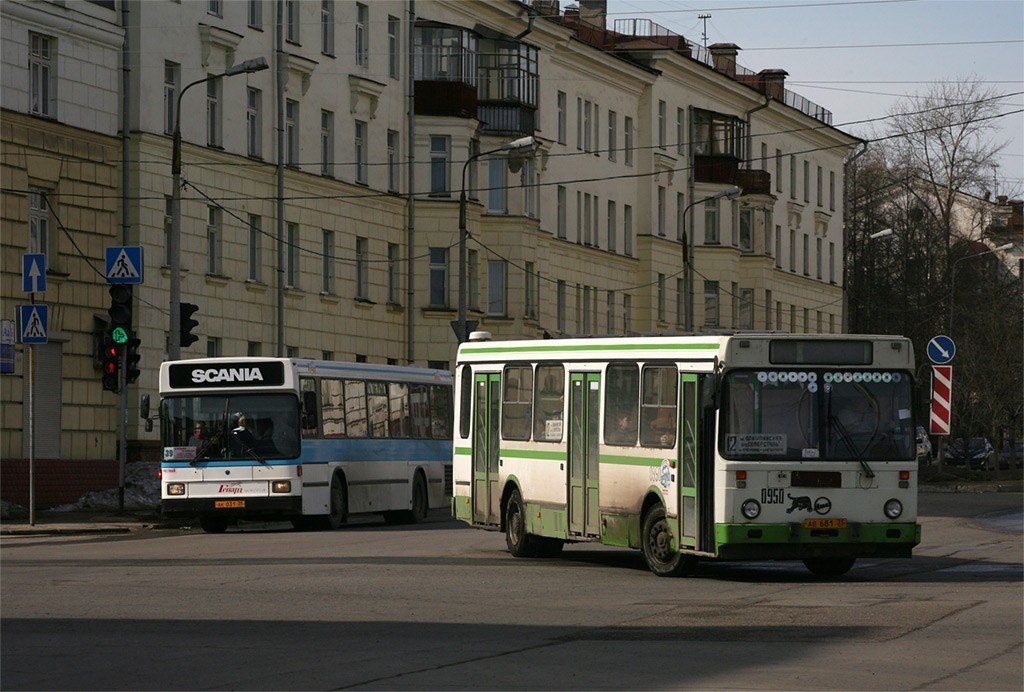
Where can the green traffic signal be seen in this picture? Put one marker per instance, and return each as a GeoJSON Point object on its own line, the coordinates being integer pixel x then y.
{"type": "Point", "coordinates": [119, 335]}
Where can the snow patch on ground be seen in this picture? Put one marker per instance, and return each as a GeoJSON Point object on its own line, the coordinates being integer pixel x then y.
{"type": "Point", "coordinates": [141, 492]}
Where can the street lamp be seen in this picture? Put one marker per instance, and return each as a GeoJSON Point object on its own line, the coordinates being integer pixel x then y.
{"type": "Point", "coordinates": [884, 233]}
{"type": "Point", "coordinates": [514, 146]}
{"type": "Point", "coordinates": [728, 193]}
{"type": "Point", "coordinates": [174, 242]}
{"type": "Point", "coordinates": [952, 276]}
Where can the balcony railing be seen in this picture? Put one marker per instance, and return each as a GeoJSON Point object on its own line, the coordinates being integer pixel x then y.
{"type": "Point", "coordinates": [443, 98]}
{"type": "Point", "coordinates": [725, 170]}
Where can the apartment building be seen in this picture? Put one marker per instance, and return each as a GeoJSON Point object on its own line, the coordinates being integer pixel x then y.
{"type": "Point", "coordinates": [320, 198]}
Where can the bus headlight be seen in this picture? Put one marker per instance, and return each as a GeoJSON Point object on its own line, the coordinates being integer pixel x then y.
{"type": "Point", "coordinates": [893, 509]}
{"type": "Point", "coordinates": [175, 488]}
{"type": "Point", "coordinates": [750, 508]}
{"type": "Point", "coordinates": [281, 487]}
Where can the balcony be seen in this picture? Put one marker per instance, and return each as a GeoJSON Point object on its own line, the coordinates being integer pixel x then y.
{"type": "Point", "coordinates": [507, 120]}
{"type": "Point", "coordinates": [725, 170]}
{"type": "Point", "coordinates": [445, 98]}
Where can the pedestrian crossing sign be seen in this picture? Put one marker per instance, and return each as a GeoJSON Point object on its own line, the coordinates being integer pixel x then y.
{"type": "Point", "coordinates": [32, 323]}
{"type": "Point", "coordinates": [124, 264]}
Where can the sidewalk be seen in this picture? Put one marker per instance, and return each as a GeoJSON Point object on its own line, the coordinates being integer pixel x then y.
{"type": "Point", "coordinates": [110, 521]}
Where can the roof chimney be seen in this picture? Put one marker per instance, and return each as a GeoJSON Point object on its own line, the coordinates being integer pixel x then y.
{"type": "Point", "coordinates": [594, 13]}
{"type": "Point", "coordinates": [724, 56]}
{"type": "Point", "coordinates": [773, 83]}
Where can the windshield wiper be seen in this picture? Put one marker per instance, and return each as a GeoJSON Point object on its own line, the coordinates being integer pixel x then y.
{"type": "Point", "coordinates": [843, 435]}
{"type": "Point", "coordinates": [205, 448]}
{"type": "Point", "coordinates": [248, 443]}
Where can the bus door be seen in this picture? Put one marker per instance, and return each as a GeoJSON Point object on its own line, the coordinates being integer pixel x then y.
{"type": "Point", "coordinates": [486, 493]}
{"type": "Point", "coordinates": [584, 408]}
{"type": "Point", "coordinates": [689, 505]}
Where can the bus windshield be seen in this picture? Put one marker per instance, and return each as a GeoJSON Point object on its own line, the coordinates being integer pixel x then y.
{"type": "Point", "coordinates": [817, 414]}
{"type": "Point", "coordinates": [230, 426]}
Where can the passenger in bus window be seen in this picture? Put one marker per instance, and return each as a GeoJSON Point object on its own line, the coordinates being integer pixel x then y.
{"type": "Point", "coordinates": [664, 426]}
{"type": "Point", "coordinates": [199, 436]}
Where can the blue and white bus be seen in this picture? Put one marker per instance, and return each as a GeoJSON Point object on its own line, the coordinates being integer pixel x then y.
{"type": "Point", "coordinates": [310, 441]}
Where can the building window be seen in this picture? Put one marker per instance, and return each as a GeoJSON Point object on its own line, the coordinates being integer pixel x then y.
{"type": "Point", "coordinates": [496, 273]}
{"type": "Point", "coordinates": [820, 183]}
{"type": "Point", "coordinates": [817, 258]}
{"type": "Point", "coordinates": [710, 303]}
{"type": "Point", "coordinates": [560, 103]}
{"type": "Point", "coordinates": [661, 297]}
{"type": "Point", "coordinates": [560, 306]}
{"type": "Point", "coordinates": [807, 255]}
{"type": "Point", "coordinates": [627, 230]}
{"type": "Point", "coordinates": [792, 250]}
{"type": "Point", "coordinates": [254, 122]}
{"type": "Point", "coordinates": [42, 62]}
{"type": "Point", "coordinates": [768, 309]}
{"type": "Point", "coordinates": [172, 82]}
{"type": "Point", "coordinates": [360, 151]}
{"type": "Point", "coordinates": [215, 7]}
{"type": "Point", "coordinates": [832, 190]}
{"type": "Point", "coordinates": [792, 177]}
{"type": "Point", "coordinates": [327, 266]}
{"type": "Point", "coordinates": [747, 230]}
{"type": "Point", "coordinates": [39, 223]}
{"type": "Point", "coordinates": [440, 165]}
{"type": "Point", "coordinates": [472, 283]}
{"type": "Point", "coordinates": [214, 348]}
{"type": "Point", "coordinates": [438, 277]}
{"type": "Point", "coordinates": [529, 189]}
{"type": "Point", "coordinates": [327, 27]}
{"type": "Point", "coordinates": [579, 123]}
{"type": "Point", "coordinates": [586, 219]}
{"type": "Point", "coordinates": [778, 246]}
{"type": "Point", "coordinates": [474, 149]}
{"type": "Point", "coordinates": [680, 301]}
{"type": "Point", "coordinates": [769, 220]}
{"type": "Point", "coordinates": [680, 131]}
{"type": "Point", "coordinates": [291, 278]}
{"type": "Point", "coordinates": [718, 134]}
{"type": "Point", "coordinates": [807, 320]}
{"type": "Point", "coordinates": [560, 230]}
{"type": "Point", "coordinates": [680, 217]}
{"type": "Point", "coordinates": [711, 230]}
{"type": "Point", "coordinates": [807, 180]}
{"type": "Point", "coordinates": [587, 125]}
{"type": "Point", "coordinates": [627, 313]}
{"type": "Point", "coordinates": [394, 269]}
{"type": "Point", "coordinates": [291, 19]}
{"type": "Point", "coordinates": [661, 211]}
{"type": "Point", "coordinates": [394, 50]}
{"type": "Point", "coordinates": [746, 320]}
{"type": "Point", "coordinates": [627, 145]}
{"type": "Point", "coordinates": [392, 161]}
{"type": "Point", "coordinates": [291, 131]}
{"type": "Point", "coordinates": [213, 241]}
{"type": "Point", "coordinates": [255, 248]}
{"type": "Point", "coordinates": [613, 134]}
{"type": "Point", "coordinates": [255, 18]}
{"type": "Point", "coordinates": [213, 115]}
{"type": "Point", "coordinates": [327, 143]}
{"type": "Point", "coordinates": [831, 263]}
{"type": "Point", "coordinates": [778, 170]}
{"type": "Point", "coordinates": [610, 312]}
{"type": "Point", "coordinates": [586, 310]}
{"type": "Point", "coordinates": [612, 241]}
{"type": "Point", "coordinates": [362, 268]}
{"type": "Point", "coordinates": [362, 35]}
{"type": "Point", "coordinates": [497, 180]}
{"type": "Point", "coordinates": [764, 156]}
{"type": "Point", "coordinates": [530, 292]}
{"type": "Point", "coordinates": [253, 349]}
{"type": "Point", "coordinates": [661, 123]}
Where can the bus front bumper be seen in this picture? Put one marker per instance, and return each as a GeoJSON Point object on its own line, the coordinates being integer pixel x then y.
{"type": "Point", "coordinates": [240, 508]}
{"type": "Point", "coordinates": [795, 542]}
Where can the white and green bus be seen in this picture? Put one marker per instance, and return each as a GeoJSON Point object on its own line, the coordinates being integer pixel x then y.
{"type": "Point", "coordinates": [744, 446]}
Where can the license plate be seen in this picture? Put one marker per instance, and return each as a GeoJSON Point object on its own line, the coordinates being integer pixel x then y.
{"type": "Point", "coordinates": [229, 504]}
{"type": "Point", "coordinates": [824, 523]}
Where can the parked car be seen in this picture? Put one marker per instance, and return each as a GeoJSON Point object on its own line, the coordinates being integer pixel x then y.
{"type": "Point", "coordinates": [924, 445]}
{"type": "Point", "coordinates": [973, 452]}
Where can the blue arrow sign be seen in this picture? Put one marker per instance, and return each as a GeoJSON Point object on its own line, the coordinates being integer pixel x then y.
{"type": "Point", "coordinates": [32, 321]}
{"type": "Point", "coordinates": [33, 272]}
{"type": "Point", "coordinates": [124, 264]}
{"type": "Point", "coordinates": [941, 349]}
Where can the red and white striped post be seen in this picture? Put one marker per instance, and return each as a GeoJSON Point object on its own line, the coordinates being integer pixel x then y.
{"type": "Point", "coordinates": [942, 399]}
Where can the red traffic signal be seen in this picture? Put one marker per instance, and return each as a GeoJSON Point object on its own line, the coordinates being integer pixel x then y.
{"type": "Point", "coordinates": [111, 363]}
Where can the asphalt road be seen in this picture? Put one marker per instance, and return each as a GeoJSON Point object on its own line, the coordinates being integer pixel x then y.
{"type": "Point", "coordinates": [442, 606]}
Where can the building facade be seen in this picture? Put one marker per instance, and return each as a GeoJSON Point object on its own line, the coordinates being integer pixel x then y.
{"type": "Point", "coordinates": [320, 198]}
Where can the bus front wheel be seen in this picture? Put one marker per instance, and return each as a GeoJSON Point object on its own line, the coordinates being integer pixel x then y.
{"type": "Point", "coordinates": [656, 546]}
{"type": "Point", "coordinates": [213, 523]}
{"type": "Point", "coordinates": [829, 567]}
{"type": "Point", "coordinates": [339, 511]}
{"type": "Point", "coordinates": [519, 542]}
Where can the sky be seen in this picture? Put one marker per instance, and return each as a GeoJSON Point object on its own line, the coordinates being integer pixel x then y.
{"type": "Point", "coordinates": [859, 58]}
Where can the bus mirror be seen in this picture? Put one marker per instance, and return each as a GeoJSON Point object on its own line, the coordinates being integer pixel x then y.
{"type": "Point", "coordinates": [149, 425]}
{"type": "Point", "coordinates": [309, 410]}
{"type": "Point", "coordinates": [144, 410]}
{"type": "Point", "coordinates": [709, 391]}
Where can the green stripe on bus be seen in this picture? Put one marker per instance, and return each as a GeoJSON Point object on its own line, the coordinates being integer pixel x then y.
{"type": "Point", "coordinates": [532, 454]}
{"type": "Point", "coordinates": [589, 347]}
{"type": "Point", "coordinates": [629, 461]}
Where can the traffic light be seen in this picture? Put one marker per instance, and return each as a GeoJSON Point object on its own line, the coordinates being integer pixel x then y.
{"type": "Point", "coordinates": [188, 324]}
{"type": "Point", "coordinates": [120, 310]}
{"type": "Point", "coordinates": [131, 359]}
{"type": "Point", "coordinates": [110, 360]}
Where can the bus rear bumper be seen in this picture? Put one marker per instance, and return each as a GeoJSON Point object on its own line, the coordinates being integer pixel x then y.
{"type": "Point", "coordinates": [794, 542]}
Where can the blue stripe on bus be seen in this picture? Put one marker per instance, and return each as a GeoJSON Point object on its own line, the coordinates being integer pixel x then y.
{"type": "Point", "coordinates": [349, 450]}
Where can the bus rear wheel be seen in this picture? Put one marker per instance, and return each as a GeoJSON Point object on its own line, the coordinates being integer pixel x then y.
{"type": "Point", "coordinates": [656, 546]}
{"type": "Point", "coordinates": [518, 541]}
{"type": "Point", "coordinates": [829, 567]}
{"type": "Point", "coordinates": [419, 501]}
{"type": "Point", "coordinates": [339, 509]}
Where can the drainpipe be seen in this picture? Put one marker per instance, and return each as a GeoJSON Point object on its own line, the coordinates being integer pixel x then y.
{"type": "Point", "coordinates": [750, 136]}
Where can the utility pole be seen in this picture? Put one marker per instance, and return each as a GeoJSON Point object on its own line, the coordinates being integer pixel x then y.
{"type": "Point", "coordinates": [705, 17]}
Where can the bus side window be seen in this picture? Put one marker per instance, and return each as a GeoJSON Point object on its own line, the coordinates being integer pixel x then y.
{"type": "Point", "coordinates": [419, 411]}
{"type": "Point", "coordinates": [398, 400]}
{"type": "Point", "coordinates": [377, 404]}
{"type": "Point", "coordinates": [307, 395]}
{"type": "Point", "coordinates": [517, 396]}
{"type": "Point", "coordinates": [622, 393]}
{"type": "Point", "coordinates": [658, 419]}
{"type": "Point", "coordinates": [356, 424]}
{"type": "Point", "coordinates": [441, 411]}
{"type": "Point", "coordinates": [549, 402]}
{"type": "Point", "coordinates": [332, 398]}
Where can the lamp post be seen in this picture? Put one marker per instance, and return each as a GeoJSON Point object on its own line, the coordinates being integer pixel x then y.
{"type": "Point", "coordinates": [729, 193]}
{"type": "Point", "coordinates": [952, 276]}
{"type": "Point", "coordinates": [513, 146]}
{"type": "Point", "coordinates": [174, 242]}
